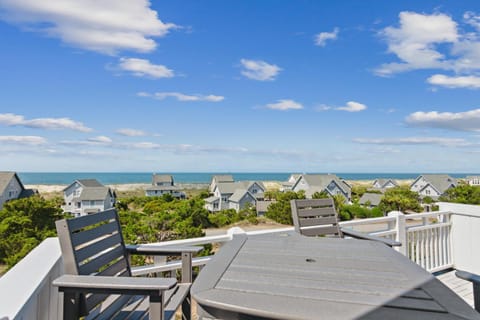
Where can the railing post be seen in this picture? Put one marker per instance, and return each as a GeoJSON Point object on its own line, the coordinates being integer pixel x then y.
{"type": "Point", "coordinates": [401, 231]}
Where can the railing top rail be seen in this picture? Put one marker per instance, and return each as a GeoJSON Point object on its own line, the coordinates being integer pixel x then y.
{"type": "Point", "coordinates": [426, 215]}
{"type": "Point", "coordinates": [367, 221]}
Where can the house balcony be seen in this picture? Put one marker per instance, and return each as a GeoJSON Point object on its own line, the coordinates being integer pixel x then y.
{"type": "Point", "coordinates": [437, 241]}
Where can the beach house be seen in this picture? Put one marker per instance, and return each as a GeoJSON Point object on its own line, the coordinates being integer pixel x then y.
{"type": "Point", "coordinates": [473, 180]}
{"type": "Point", "coordinates": [12, 188]}
{"type": "Point", "coordinates": [433, 185]}
{"type": "Point", "coordinates": [164, 184]}
{"type": "Point", "coordinates": [234, 195]}
{"type": "Point", "coordinates": [330, 183]}
{"type": "Point", "coordinates": [384, 184]}
{"type": "Point", "coordinates": [85, 196]}
{"type": "Point", "coordinates": [219, 178]}
{"type": "Point", "coordinates": [287, 185]}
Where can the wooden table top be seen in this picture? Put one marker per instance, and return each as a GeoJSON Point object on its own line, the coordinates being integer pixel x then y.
{"type": "Point", "coordinates": [288, 276]}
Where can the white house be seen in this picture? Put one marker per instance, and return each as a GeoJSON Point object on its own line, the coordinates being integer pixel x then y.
{"type": "Point", "coordinates": [384, 184]}
{"type": "Point", "coordinates": [164, 184]}
{"type": "Point", "coordinates": [12, 188]}
{"type": "Point", "coordinates": [473, 180]}
{"type": "Point", "coordinates": [219, 178]}
{"type": "Point", "coordinates": [87, 196]}
{"type": "Point", "coordinates": [433, 185]}
{"type": "Point", "coordinates": [287, 185]}
{"type": "Point", "coordinates": [234, 195]}
{"type": "Point", "coordinates": [330, 183]}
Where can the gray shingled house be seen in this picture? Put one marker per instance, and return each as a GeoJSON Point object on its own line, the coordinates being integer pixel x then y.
{"type": "Point", "coordinates": [384, 184]}
{"type": "Point", "coordinates": [12, 188]}
{"type": "Point", "coordinates": [370, 200]}
{"type": "Point", "coordinates": [330, 183]}
{"type": "Point", "coordinates": [433, 185]}
{"type": "Point", "coordinates": [234, 195]}
{"type": "Point", "coordinates": [87, 196]}
{"type": "Point", "coordinates": [219, 178]}
{"type": "Point", "coordinates": [164, 184]}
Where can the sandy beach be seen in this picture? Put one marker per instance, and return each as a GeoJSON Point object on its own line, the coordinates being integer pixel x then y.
{"type": "Point", "coordinates": [270, 185]}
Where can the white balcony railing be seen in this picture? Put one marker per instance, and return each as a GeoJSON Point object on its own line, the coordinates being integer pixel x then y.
{"type": "Point", "coordinates": [429, 239]}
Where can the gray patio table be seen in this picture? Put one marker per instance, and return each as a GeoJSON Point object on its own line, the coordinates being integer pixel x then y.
{"type": "Point", "coordinates": [289, 276]}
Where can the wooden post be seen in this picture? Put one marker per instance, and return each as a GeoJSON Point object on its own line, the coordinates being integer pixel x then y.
{"type": "Point", "coordinates": [401, 231]}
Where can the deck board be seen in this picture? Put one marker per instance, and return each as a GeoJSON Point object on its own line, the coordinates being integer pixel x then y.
{"type": "Point", "coordinates": [459, 286]}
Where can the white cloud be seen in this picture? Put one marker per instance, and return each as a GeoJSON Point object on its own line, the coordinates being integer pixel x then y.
{"type": "Point", "coordinates": [285, 105]}
{"type": "Point", "coordinates": [259, 70]}
{"type": "Point", "coordinates": [471, 82]}
{"type": "Point", "coordinates": [414, 42]}
{"type": "Point", "coordinates": [100, 140]}
{"type": "Point", "coordinates": [352, 106]}
{"type": "Point", "coordinates": [130, 132]}
{"type": "Point", "coordinates": [29, 140]}
{"type": "Point", "coordinates": [105, 26]}
{"type": "Point", "coordinates": [182, 97]}
{"type": "Point", "coordinates": [10, 119]}
{"type": "Point", "coordinates": [459, 121]}
{"type": "Point", "coordinates": [144, 68]}
{"type": "Point", "coordinates": [446, 142]}
{"type": "Point", "coordinates": [322, 38]}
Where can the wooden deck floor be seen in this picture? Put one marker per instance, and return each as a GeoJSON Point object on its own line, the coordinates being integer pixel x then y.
{"type": "Point", "coordinates": [461, 287]}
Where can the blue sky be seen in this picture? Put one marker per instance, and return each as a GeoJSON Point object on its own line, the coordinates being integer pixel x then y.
{"type": "Point", "coordinates": [309, 86]}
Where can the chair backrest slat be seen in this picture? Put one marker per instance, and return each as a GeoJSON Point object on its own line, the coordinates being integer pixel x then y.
{"type": "Point", "coordinates": [84, 237]}
{"type": "Point", "coordinates": [99, 246]}
{"type": "Point", "coordinates": [102, 261]}
{"type": "Point", "coordinates": [315, 217]}
{"type": "Point", "coordinates": [91, 219]}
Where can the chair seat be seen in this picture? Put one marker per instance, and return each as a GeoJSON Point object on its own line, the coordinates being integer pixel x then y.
{"type": "Point", "coordinates": [123, 307]}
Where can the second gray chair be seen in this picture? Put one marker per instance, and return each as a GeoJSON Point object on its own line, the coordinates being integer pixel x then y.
{"type": "Point", "coordinates": [318, 217]}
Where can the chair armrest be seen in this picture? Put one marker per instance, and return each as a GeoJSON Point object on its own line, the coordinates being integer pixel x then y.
{"type": "Point", "coordinates": [465, 275]}
{"type": "Point", "coordinates": [114, 285]}
{"type": "Point", "coordinates": [161, 250]}
{"type": "Point", "coordinates": [364, 236]}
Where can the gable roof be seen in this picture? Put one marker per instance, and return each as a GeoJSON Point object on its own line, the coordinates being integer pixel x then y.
{"type": "Point", "coordinates": [373, 198]}
{"type": "Point", "coordinates": [384, 182]}
{"type": "Point", "coordinates": [6, 177]}
{"type": "Point", "coordinates": [441, 182]}
{"type": "Point", "coordinates": [90, 183]}
{"type": "Point", "coordinates": [227, 187]}
{"type": "Point", "coordinates": [156, 178]}
{"type": "Point", "coordinates": [321, 181]}
{"type": "Point", "coordinates": [223, 178]}
{"type": "Point", "coordinates": [239, 194]}
{"type": "Point", "coordinates": [94, 193]}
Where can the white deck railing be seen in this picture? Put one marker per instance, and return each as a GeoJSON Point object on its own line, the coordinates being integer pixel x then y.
{"type": "Point", "coordinates": [26, 291]}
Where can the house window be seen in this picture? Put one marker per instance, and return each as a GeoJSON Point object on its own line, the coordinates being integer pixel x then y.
{"type": "Point", "coordinates": [92, 203]}
{"type": "Point", "coordinates": [215, 205]}
{"type": "Point", "coordinates": [427, 191]}
{"type": "Point", "coordinates": [79, 204]}
{"type": "Point", "coordinates": [254, 191]}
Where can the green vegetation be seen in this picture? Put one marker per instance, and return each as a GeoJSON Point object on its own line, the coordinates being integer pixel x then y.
{"type": "Point", "coordinates": [281, 211]}
{"type": "Point", "coordinates": [400, 199]}
{"type": "Point", "coordinates": [24, 223]}
{"type": "Point", "coordinates": [463, 193]}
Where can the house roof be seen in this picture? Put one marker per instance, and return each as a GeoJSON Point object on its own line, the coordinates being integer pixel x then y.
{"type": "Point", "coordinates": [159, 178]}
{"type": "Point", "coordinates": [94, 193]}
{"type": "Point", "coordinates": [373, 198]}
{"type": "Point", "coordinates": [321, 181]}
{"type": "Point", "coordinates": [441, 182]}
{"type": "Point", "coordinates": [239, 194]}
{"type": "Point", "coordinates": [5, 178]}
{"type": "Point", "coordinates": [90, 183]}
{"type": "Point", "coordinates": [211, 199]}
{"type": "Point", "coordinates": [231, 187]}
{"type": "Point", "coordinates": [383, 182]}
{"type": "Point", "coordinates": [223, 178]}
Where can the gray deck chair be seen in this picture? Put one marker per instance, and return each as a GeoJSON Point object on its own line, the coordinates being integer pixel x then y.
{"type": "Point", "coordinates": [318, 217]}
{"type": "Point", "coordinates": [475, 280]}
{"type": "Point", "coordinates": [98, 282]}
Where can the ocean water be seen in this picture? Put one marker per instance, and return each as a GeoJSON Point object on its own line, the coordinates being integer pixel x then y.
{"type": "Point", "coordinates": [191, 177]}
